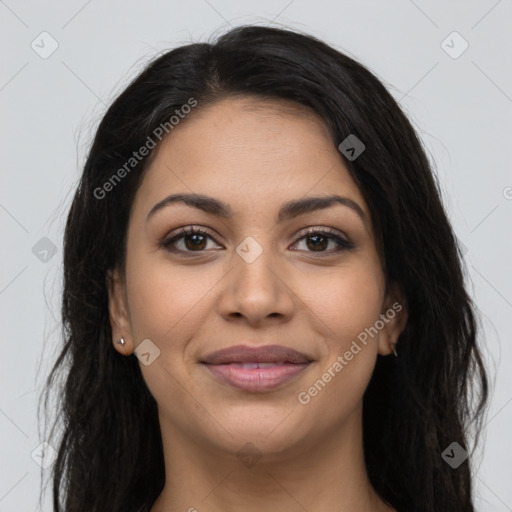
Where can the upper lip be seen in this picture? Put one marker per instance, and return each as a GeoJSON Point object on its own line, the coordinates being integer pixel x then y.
{"type": "Point", "coordinates": [262, 354]}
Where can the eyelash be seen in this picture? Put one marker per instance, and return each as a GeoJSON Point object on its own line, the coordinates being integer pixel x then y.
{"type": "Point", "coordinates": [343, 245]}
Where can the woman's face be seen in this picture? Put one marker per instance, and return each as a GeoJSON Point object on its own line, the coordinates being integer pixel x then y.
{"type": "Point", "coordinates": [254, 278]}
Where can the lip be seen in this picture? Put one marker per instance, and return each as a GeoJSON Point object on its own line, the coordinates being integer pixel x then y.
{"type": "Point", "coordinates": [256, 368]}
{"type": "Point", "coordinates": [262, 354]}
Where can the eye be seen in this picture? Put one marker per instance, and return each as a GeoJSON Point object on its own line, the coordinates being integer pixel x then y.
{"type": "Point", "coordinates": [194, 240]}
{"type": "Point", "coordinates": [317, 240]}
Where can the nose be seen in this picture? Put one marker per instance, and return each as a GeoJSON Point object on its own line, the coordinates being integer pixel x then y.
{"type": "Point", "coordinates": [258, 291]}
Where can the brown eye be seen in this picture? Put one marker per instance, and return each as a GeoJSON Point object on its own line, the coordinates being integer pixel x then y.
{"type": "Point", "coordinates": [192, 240]}
{"type": "Point", "coordinates": [317, 241]}
{"type": "Point", "coordinates": [195, 241]}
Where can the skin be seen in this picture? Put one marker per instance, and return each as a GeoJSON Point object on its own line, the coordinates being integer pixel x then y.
{"type": "Point", "coordinates": [254, 155]}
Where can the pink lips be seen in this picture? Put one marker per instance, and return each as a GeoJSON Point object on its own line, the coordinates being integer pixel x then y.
{"type": "Point", "coordinates": [256, 369]}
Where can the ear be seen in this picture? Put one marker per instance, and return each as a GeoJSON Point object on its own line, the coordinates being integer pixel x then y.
{"type": "Point", "coordinates": [394, 318]}
{"type": "Point", "coordinates": [118, 312]}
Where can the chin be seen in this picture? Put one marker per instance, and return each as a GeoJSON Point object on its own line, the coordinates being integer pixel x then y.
{"type": "Point", "coordinates": [268, 433]}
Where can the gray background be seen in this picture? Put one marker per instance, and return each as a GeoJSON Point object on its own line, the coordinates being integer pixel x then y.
{"type": "Point", "coordinates": [461, 106]}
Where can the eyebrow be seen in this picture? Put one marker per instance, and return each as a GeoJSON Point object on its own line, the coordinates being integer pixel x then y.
{"type": "Point", "coordinates": [289, 210]}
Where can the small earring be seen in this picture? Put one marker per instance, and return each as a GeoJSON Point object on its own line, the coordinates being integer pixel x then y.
{"type": "Point", "coordinates": [120, 341]}
{"type": "Point", "coordinates": [393, 345]}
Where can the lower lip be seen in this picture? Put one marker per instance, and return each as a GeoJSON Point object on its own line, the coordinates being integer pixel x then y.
{"type": "Point", "coordinates": [256, 379]}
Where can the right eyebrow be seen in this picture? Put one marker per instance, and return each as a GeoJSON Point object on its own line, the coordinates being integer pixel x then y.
{"type": "Point", "coordinates": [205, 203]}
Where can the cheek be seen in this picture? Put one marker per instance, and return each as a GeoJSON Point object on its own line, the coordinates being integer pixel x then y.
{"type": "Point", "coordinates": [350, 303]}
{"type": "Point", "coordinates": [166, 301]}
{"type": "Point", "coordinates": [346, 301]}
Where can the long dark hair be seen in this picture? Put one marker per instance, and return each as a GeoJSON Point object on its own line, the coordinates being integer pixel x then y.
{"type": "Point", "coordinates": [110, 455]}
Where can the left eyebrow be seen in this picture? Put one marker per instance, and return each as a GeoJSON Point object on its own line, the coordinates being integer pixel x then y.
{"type": "Point", "coordinates": [297, 207]}
{"type": "Point", "coordinates": [288, 210]}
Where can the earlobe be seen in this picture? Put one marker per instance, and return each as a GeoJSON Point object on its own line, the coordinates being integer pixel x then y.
{"type": "Point", "coordinates": [394, 319]}
{"type": "Point", "coordinates": [118, 313]}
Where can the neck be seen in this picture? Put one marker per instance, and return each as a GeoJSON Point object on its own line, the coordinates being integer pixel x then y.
{"type": "Point", "coordinates": [312, 476]}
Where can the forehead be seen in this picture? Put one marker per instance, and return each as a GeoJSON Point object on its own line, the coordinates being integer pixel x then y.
{"type": "Point", "coordinates": [251, 151]}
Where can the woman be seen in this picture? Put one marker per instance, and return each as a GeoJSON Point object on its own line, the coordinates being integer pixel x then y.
{"type": "Point", "coordinates": [264, 306]}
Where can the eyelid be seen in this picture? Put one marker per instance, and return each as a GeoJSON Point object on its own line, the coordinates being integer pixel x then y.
{"type": "Point", "coordinates": [322, 230]}
{"type": "Point", "coordinates": [342, 241]}
{"type": "Point", "coordinates": [168, 240]}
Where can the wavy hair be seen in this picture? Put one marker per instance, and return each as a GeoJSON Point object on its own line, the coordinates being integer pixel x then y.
{"type": "Point", "coordinates": [110, 455]}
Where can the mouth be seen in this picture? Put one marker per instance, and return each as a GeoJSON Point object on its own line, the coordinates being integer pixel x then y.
{"type": "Point", "coordinates": [256, 369]}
